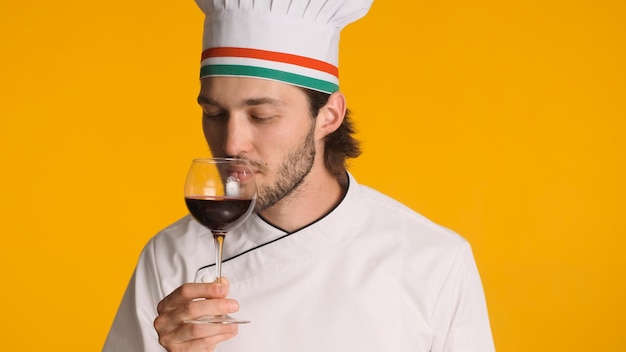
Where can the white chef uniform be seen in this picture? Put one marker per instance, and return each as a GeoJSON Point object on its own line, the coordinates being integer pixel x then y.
{"type": "Point", "coordinates": [372, 275]}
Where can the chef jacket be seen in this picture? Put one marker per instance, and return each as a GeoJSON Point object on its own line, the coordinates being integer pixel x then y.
{"type": "Point", "coordinates": [371, 275]}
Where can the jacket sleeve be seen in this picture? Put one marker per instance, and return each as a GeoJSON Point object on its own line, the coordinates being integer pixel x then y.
{"type": "Point", "coordinates": [132, 328]}
{"type": "Point", "coordinates": [460, 314]}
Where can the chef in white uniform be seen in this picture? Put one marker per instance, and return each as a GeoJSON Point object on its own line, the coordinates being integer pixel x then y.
{"type": "Point", "coordinates": [325, 263]}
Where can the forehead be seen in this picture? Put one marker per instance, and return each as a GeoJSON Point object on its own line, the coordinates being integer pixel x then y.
{"type": "Point", "coordinates": [236, 90]}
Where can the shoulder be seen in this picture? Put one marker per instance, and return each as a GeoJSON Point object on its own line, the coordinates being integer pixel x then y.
{"type": "Point", "coordinates": [396, 215]}
{"type": "Point", "coordinates": [424, 254]}
{"type": "Point", "coordinates": [179, 233]}
{"type": "Point", "coordinates": [414, 236]}
{"type": "Point", "coordinates": [174, 251]}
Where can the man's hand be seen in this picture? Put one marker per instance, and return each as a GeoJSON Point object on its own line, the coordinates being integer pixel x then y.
{"type": "Point", "coordinates": [191, 301]}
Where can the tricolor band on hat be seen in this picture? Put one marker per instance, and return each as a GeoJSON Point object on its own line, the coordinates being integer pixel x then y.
{"type": "Point", "coordinates": [292, 41]}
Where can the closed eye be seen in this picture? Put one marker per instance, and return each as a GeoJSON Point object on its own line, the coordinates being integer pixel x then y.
{"type": "Point", "coordinates": [218, 116]}
{"type": "Point", "coordinates": [262, 118]}
{"type": "Point", "coordinates": [214, 113]}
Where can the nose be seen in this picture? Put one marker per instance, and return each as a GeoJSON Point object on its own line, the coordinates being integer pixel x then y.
{"type": "Point", "coordinates": [237, 136]}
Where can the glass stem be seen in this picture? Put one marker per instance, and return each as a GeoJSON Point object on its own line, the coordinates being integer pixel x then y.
{"type": "Point", "coordinates": [218, 237]}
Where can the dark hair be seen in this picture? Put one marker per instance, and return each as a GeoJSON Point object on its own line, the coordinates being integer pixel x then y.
{"type": "Point", "coordinates": [341, 144]}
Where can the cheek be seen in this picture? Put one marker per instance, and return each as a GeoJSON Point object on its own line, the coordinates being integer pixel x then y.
{"type": "Point", "coordinates": [277, 142]}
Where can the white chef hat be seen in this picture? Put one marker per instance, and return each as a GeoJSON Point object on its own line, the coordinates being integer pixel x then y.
{"type": "Point", "coordinates": [293, 41]}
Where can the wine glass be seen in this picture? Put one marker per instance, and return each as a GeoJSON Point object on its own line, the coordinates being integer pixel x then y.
{"type": "Point", "coordinates": [220, 194]}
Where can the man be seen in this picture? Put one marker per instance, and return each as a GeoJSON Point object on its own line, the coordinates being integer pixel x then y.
{"type": "Point", "coordinates": [325, 264]}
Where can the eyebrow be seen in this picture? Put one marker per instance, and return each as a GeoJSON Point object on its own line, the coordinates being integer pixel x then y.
{"type": "Point", "coordinates": [206, 101]}
{"type": "Point", "coordinates": [248, 102]}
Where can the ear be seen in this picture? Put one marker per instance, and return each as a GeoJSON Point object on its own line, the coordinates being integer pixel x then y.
{"type": "Point", "coordinates": [331, 115]}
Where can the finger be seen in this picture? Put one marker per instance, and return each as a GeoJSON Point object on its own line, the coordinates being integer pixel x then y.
{"type": "Point", "coordinates": [199, 336]}
{"type": "Point", "coordinates": [192, 291]}
{"type": "Point", "coordinates": [171, 320]}
{"type": "Point", "coordinates": [198, 309]}
{"type": "Point", "coordinates": [209, 343]}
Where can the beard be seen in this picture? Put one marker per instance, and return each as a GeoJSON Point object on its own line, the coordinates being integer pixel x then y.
{"type": "Point", "coordinates": [296, 165]}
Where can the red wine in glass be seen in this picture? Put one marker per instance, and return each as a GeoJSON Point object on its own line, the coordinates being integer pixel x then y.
{"type": "Point", "coordinates": [219, 214]}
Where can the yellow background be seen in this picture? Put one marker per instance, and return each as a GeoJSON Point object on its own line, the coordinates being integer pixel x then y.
{"type": "Point", "coordinates": [503, 120]}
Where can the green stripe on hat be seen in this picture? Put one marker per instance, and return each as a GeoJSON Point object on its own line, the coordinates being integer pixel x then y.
{"type": "Point", "coordinates": [262, 72]}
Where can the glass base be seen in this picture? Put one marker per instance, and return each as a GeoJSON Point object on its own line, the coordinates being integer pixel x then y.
{"type": "Point", "coordinates": [217, 319]}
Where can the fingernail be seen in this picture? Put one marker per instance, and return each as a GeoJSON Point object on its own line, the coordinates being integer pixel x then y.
{"type": "Point", "coordinates": [221, 289]}
{"type": "Point", "coordinates": [233, 305]}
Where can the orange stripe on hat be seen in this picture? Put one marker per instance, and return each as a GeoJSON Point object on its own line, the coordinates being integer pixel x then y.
{"type": "Point", "coordinates": [271, 56]}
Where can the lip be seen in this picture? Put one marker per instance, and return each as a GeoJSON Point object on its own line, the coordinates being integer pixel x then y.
{"type": "Point", "coordinates": [240, 173]}
{"type": "Point", "coordinates": [241, 170]}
